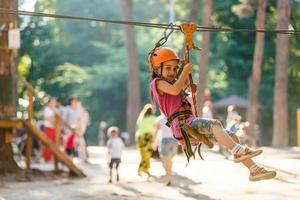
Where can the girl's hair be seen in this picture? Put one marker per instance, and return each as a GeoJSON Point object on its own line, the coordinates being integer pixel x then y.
{"type": "Point", "coordinates": [154, 75]}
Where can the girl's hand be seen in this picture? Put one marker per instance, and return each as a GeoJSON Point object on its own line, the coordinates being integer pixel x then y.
{"type": "Point", "coordinates": [188, 68]}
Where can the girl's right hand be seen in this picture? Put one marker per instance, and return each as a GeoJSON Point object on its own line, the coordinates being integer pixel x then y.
{"type": "Point", "coordinates": [188, 68]}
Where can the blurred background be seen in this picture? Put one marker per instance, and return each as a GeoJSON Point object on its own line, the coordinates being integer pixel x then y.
{"type": "Point", "coordinates": [89, 59]}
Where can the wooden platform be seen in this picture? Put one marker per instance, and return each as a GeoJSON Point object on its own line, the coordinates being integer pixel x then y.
{"type": "Point", "coordinates": [32, 130]}
{"type": "Point", "coordinates": [5, 123]}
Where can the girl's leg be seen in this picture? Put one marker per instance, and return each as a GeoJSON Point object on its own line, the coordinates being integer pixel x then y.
{"type": "Point", "coordinates": [208, 126]}
{"type": "Point", "coordinates": [257, 173]}
{"type": "Point", "coordinates": [239, 152]}
{"type": "Point", "coordinates": [221, 136]}
{"type": "Point", "coordinates": [248, 162]}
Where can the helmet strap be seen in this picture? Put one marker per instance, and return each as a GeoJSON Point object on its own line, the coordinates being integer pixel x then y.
{"type": "Point", "coordinates": [159, 74]}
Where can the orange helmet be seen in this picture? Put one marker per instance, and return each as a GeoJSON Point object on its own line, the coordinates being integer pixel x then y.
{"type": "Point", "coordinates": [160, 55]}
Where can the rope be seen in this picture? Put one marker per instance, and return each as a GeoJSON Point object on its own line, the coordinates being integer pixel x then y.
{"type": "Point", "coordinates": [143, 24]}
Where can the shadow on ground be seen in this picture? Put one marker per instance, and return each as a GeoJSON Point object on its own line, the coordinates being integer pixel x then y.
{"type": "Point", "coordinates": [181, 184]}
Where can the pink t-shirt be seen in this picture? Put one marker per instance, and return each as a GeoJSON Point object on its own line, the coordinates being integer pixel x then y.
{"type": "Point", "coordinates": [168, 105]}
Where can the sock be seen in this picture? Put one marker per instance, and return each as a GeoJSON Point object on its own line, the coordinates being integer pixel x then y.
{"type": "Point", "coordinates": [238, 149]}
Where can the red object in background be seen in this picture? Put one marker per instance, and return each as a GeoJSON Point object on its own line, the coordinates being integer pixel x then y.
{"type": "Point", "coordinates": [70, 144]}
{"type": "Point", "coordinates": [50, 133]}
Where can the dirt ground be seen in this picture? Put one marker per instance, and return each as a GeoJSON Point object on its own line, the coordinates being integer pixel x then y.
{"type": "Point", "coordinates": [213, 178]}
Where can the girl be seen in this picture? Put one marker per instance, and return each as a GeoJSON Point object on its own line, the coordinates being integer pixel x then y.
{"type": "Point", "coordinates": [167, 89]}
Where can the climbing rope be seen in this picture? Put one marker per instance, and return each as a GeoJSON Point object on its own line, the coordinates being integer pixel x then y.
{"type": "Point", "coordinates": [144, 24]}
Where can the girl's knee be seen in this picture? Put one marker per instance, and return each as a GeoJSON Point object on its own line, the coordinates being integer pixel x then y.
{"type": "Point", "coordinates": [218, 124]}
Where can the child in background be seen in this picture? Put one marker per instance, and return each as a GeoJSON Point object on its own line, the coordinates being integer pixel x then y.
{"type": "Point", "coordinates": [115, 148]}
{"type": "Point", "coordinates": [70, 142]}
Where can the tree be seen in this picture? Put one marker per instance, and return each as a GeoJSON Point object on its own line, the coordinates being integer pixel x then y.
{"type": "Point", "coordinates": [203, 71]}
{"type": "Point", "coordinates": [8, 87]}
{"type": "Point", "coordinates": [280, 116]}
{"type": "Point", "coordinates": [133, 88]}
{"type": "Point", "coordinates": [254, 80]}
{"type": "Point", "coordinates": [194, 10]}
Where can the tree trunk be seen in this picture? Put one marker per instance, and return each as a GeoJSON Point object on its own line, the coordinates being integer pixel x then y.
{"type": "Point", "coordinates": [281, 134]}
{"type": "Point", "coordinates": [254, 80]}
{"type": "Point", "coordinates": [8, 88]}
{"type": "Point", "coordinates": [203, 71]}
{"type": "Point", "coordinates": [172, 11]}
{"type": "Point", "coordinates": [194, 10]}
{"type": "Point", "coordinates": [133, 86]}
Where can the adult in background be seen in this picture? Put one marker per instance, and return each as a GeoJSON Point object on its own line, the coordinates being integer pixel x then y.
{"type": "Point", "coordinates": [49, 126]}
{"type": "Point", "coordinates": [207, 110]}
{"type": "Point", "coordinates": [146, 123]}
{"type": "Point", "coordinates": [167, 145]}
{"type": "Point", "coordinates": [83, 123]}
{"type": "Point", "coordinates": [72, 118]}
{"type": "Point", "coordinates": [231, 112]}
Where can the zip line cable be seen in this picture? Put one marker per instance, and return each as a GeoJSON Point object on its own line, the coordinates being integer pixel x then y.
{"type": "Point", "coordinates": [144, 24]}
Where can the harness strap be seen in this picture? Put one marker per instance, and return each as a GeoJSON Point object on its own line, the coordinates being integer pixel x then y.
{"type": "Point", "coordinates": [182, 116]}
{"type": "Point", "coordinates": [177, 138]}
{"type": "Point", "coordinates": [178, 114]}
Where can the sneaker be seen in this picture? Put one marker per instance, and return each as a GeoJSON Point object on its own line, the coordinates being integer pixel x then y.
{"type": "Point", "coordinates": [168, 183]}
{"type": "Point", "coordinates": [246, 154]}
{"type": "Point", "coordinates": [261, 173]}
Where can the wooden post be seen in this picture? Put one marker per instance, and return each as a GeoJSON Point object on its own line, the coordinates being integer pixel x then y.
{"type": "Point", "coordinates": [8, 85]}
{"type": "Point", "coordinates": [57, 138]}
{"type": "Point", "coordinates": [29, 135]}
{"type": "Point", "coordinates": [298, 127]}
{"type": "Point", "coordinates": [53, 148]}
{"type": "Point", "coordinates": [30, 106]}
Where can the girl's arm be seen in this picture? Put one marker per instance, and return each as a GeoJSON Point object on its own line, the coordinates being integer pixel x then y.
{"type": "Point", "coordinates": [180, 84]}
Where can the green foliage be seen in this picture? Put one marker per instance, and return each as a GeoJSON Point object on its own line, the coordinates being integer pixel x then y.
{"type": "Point", "coordinates": [104, 94]}
{"type": "Point", "coordinates": [88, 59]}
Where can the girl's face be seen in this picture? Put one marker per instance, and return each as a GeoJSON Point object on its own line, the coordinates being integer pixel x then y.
{"type": "Point", "coordinates": [169, 70]}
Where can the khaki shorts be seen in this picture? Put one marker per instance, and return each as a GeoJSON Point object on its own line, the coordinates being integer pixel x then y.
{"type": "Point", "coordinates": [203, 125]}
